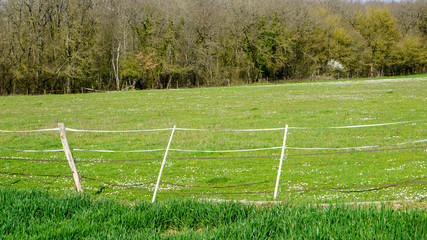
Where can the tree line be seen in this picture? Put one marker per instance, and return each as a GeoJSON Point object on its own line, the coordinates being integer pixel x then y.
{"type": "Point", "coordinates": [66, 46]}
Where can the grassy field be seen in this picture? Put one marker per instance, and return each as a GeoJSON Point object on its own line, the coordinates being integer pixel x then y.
{"type": "Point", "coordinates": [347, 177]}
{"type": "Point", "coordinates": [39, 215]}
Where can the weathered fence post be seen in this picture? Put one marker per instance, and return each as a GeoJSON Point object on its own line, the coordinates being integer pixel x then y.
{"type": "Point", "coordinates": [281, 163]}
{"type": "Point", "coordinates": [69, 155]}
{"type": "Point", "coordinates": [163, 165]}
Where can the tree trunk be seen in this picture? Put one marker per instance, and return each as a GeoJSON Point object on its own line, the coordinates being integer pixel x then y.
{"type": "Point", "coordinates": [116, 67]}
{"type": "Point", "coordinates": [169, 82]}
{"type": "Point", "coordinates": [69, 66]}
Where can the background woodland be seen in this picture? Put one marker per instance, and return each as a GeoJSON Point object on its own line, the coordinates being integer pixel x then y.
{"type": "Point", "coordinates": [70, 46]}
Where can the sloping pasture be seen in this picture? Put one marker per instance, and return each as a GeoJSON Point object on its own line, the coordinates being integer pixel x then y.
{"type": "Point", "coordinates": [341, 170]}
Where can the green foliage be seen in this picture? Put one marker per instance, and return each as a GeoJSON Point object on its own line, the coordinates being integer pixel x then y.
{"type": "Point", "coordinates": [410, 54]}
{"type": "Point", "coordinates": [252, 53]}
{"type": "Point", "coordinates": [266, 50]}
{"type": "Point", "coordinates": [379, 29]}
{"type": "Point", "coordinates": [130, 68]}
{"type": "Point", "coordinates": [271, 51]}
{"type": "Point", "coordinates": [143, 33]}
{"type": "Point", "coordinates": [59, 46]}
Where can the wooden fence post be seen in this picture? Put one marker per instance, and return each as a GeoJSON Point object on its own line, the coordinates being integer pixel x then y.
{"type": "Point", "coordinates": [69, 155]}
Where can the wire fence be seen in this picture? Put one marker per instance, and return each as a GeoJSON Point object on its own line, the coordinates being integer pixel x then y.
{"type": "Point", "coordinates": [283, 156]}
{"type": "Point", "coordinates": [214, 158]}
{"type": "Point", "coordinates": [364, 188]}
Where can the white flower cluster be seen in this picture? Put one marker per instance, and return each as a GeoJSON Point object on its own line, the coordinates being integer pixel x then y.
{"type": "Point", "coordinates": [335, 65]}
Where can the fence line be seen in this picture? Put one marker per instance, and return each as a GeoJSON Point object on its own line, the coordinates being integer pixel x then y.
{"type": "Point", "coordinates": [133, 187]}
{"type": "Point", "coordinates": [113, 151]}
{"type": "Point", "coordinates": [33, 151]}
{"type": "Point", "coordinates": [231, 130]}
{"type": "Point", "coordinates": [362, 147]}
{"type": "Point", "coordinates": [225, 151]}
{"type": "Point", "coordinates": [30, 131]}
{"type": "Point", "coordinates": [361, 126]}
{"type": "Point", "coordinates": [62, 130]}
{"type": "Point", "coordinates": [216, 158]}
{"type": "Point", "coordinates": [279, 129]}
{"type": "Point", "coordinates": [215, 151]}
{"type": "Point", "coordinates": [298, 148]}
{"type": "Point", "coordinates": [118, 131]}
{"type": "Point", "coordinates": [210, 130]}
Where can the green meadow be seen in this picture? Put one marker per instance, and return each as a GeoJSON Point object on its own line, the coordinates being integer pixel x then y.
{"type": "Point", "coordinates": [394, 171]}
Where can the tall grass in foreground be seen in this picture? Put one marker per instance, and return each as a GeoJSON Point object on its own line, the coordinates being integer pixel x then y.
{"type": "Point", "coordinates": [40, 215]}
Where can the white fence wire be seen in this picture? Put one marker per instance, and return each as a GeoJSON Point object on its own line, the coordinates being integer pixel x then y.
{"type": "Point", "coordinates": [30, 131]}
{"type": "Point", "coordinates": [168, 149]}
{"type": "Point", "coordinates": [208, 130]}
{"type": "Point", "coordinates": [215, 151]}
